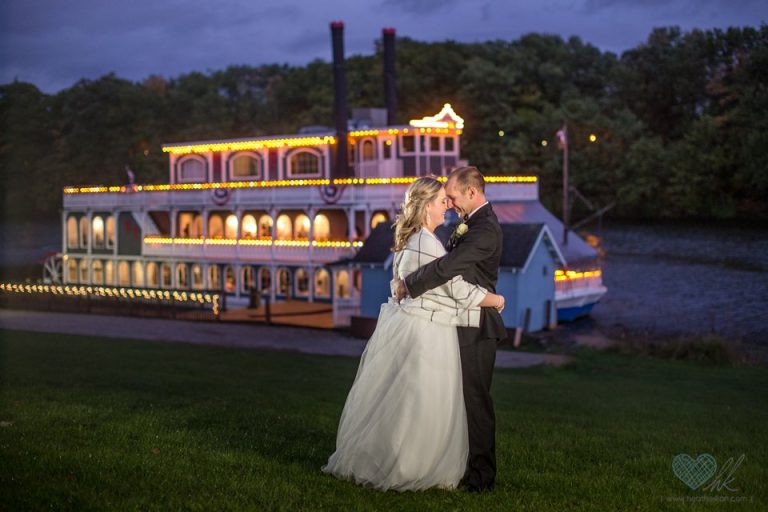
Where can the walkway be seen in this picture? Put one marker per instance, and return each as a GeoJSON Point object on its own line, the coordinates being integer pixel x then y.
{"type": "Point", "coordinates": [292, 312]}
{"type": "Point", "coordinates": [283, 338]}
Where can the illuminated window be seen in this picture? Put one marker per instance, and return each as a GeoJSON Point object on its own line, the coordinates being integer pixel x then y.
{"type": "Point", "coordinates": [84, 232]}
{"type": "Point", "coordinates": [321, 228]}
{"type": "Point", "coordinates": [265, 227]}
{"type": "Point", "coordinates": [368, 150]}
{"type": "Point", "coordinates": [192, 169]}
{"type": "Point", "coordinates": [215, 226]}
{"type": "Point", "coordinates": [190, 225]}
{"type": "Point", "coordinates": [304, 164]}
{"type": "Point", "coordinates": [230, 227]}
{"type": "Point", "coordinates": [98, 232]}
{"type": "Point", "coordinates": [301, 227]}
{"type": "Point", "coordinates": [137, 277]}
{"type": "Point", "coordinates": [302, 282]}
{"type": "Point", "coordinates": [265, 279]}
{"type": "Point", "coordinates": [182, 276]}
{"type": "Point", "coordinates": [245, 166]}
{"type": "Point", "coordinates": [229, 279]}
{"type": "Point", "coordinates": [123, 274]}
{"type": "Point", "coordinates": [152, 280]}
{"type": "Point", "coordinates": [165, 275]}
{"type": "Point", "coordinates": [246, 279]}
{"type": "Point", "coordinates": [110, 232]}
{"type": "Point", "coordinates": [342, 284]}
{"type": "Point", "coordinates": [109, 273]}
{"type": "Point", "coordinates": [249, 227]}
{"type": "Point", "coordinates": [284, 228]}
{"type": "Point", "coordinates": [214, 277]}
{"type": "Point", "coordinates": [97, 272]}
{"type": "Point", "coordinates": [72, 271]}
{"type": "Point", "coordinates": [322, 283]}
{"type": "Point", "coordinates": [283, 282]}
{"type": "Point", "coordinates": [197, 277]}
{"type": "Point", "coordinates": [378, 218]}
{"type": "Point", "coordinates": [72, 235]}
{"type": "Point", "coordinates": [83, 271]}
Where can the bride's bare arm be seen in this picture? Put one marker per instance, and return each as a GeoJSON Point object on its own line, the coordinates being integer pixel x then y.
{"type": "Point", "coordinates": [491, 300]}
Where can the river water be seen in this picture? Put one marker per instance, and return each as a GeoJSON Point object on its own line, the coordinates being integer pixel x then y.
{"type": "Point", "coordinates": [685, 279]}
{"type": "Point", "coordinates": [662, 278]}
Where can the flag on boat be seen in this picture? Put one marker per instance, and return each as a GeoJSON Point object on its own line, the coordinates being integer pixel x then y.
{"type": "Point", "coordinates": [562, 137]}
{"type": "Point", "coordinates": [131, 176]}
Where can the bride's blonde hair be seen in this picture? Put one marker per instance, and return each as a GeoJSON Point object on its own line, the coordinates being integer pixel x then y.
{"type": "Point", "coordinates": [413, 211]}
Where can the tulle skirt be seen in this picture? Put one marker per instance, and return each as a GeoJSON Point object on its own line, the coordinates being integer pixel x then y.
{"type": "Point", "coordinates": [404, 425]}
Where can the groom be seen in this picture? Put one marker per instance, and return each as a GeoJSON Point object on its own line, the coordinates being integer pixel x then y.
{"type": "Point", "coordinates": [475, 254]}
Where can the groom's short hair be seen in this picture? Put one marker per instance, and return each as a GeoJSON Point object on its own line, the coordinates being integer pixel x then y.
{"type": "Point", "coordinates": [468, 177]}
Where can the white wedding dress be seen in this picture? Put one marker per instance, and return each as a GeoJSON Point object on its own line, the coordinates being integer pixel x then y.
{"type": "Point", "coordinates": [404, 424]}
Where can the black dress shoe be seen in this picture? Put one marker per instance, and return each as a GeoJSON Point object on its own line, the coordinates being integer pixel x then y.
{"type": "Point", "coordinates": [479, 489]}
{"type": "Point", "coordinates": [472, 488]}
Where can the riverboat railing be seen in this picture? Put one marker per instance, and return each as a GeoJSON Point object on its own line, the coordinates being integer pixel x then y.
{"type": "Point", "coordinates": [113, 300]}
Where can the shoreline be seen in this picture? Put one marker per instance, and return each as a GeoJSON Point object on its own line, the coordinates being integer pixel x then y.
{"type": "Point", "coordinates": [664, 278]}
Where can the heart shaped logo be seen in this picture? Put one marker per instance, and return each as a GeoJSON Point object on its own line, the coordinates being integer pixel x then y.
{"type": "Point", "coordinates": [694, 473]}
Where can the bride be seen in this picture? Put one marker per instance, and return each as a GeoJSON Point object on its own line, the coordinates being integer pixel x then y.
{"type": "Point", "coordinates": [404, 425]}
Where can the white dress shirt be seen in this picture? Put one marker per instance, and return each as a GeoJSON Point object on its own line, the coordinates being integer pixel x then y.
{"type": "Point", "coordinates": [473, 211]}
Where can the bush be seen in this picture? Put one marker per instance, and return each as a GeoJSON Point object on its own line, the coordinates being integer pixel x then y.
{"type": "Point", "coordinates": [711, 349]}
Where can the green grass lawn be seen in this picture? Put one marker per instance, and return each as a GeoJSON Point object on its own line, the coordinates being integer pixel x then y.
{"type": "Point", "coordinates": [100, 424]}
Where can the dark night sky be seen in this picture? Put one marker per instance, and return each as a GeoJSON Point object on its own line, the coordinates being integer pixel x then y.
{"type": "Point", "coordinates": [53, 43]}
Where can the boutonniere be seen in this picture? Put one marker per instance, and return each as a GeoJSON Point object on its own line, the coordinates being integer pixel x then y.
{"type": "Point", "coordinates": [458, 232]}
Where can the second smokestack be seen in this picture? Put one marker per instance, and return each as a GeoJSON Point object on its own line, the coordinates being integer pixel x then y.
{"type": "Point", "coordinates": [339, 101]}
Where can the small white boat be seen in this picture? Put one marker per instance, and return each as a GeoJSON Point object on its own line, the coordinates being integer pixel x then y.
{"type": "Point", "coordinates": [576, 293]}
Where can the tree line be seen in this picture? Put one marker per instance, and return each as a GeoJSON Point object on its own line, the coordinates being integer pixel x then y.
{"type": "Point", "coordinates": [680, 123]}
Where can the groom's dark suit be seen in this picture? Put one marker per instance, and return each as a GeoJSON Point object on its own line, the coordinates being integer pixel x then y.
{"type": "Point", "coordinates": [475, 256]}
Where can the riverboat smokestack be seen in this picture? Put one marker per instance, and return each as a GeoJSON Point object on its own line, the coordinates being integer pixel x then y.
{"type": "Point", "coordinates": [341, 167]}
{"type": "Point", "coordinates": [390, 96]}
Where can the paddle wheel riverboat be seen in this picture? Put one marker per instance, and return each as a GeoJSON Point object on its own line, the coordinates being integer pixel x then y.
{"type": "Point", "coordinates": [282, 217]}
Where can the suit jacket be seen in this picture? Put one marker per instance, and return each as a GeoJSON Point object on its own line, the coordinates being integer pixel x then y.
{"type": "Point", "coordinates": [476, 256]}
